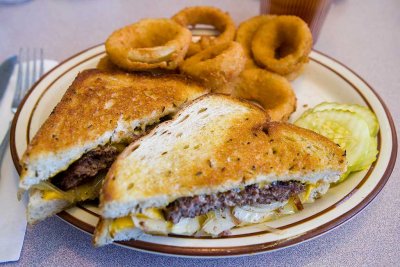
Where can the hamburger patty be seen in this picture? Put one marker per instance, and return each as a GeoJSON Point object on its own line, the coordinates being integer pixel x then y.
{"type": "Point", "coordinates": [94, 161]}
{"type": "Point", "coordinates": [87, 167]}
{"type": "Point", "coordinates": [190, 207]}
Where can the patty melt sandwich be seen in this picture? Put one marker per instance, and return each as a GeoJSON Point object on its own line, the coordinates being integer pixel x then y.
{"type": "Point", "coordinates": [220, 163]}
{"type": "Point", "coordinates": [99, 115]}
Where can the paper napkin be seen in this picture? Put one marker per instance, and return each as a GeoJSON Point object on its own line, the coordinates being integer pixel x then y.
{"type": "Point", "coordinates": [12, 215]}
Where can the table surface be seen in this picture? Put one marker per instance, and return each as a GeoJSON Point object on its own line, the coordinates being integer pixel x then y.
{"type": "Point", "coordinates": [363, 34]}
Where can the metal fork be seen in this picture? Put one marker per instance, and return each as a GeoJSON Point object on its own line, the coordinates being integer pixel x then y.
{"type": "Point", "coordinates": [27, 74]}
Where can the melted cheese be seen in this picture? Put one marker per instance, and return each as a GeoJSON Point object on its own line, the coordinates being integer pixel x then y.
{"type": "Point", "coordinates": [151, 213]}
{"type": "Point", "coordinates": [309, 189]}
{"type": "Point", "coordinates": [126, 222]}
{"type": "Point", "coordinates": [81, 193]}
{"type": "Point", "coordinates": [51, 195]}
{"type": "Point", "coordinates": [120, 224]}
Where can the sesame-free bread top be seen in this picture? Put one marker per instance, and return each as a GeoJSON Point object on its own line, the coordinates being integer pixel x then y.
{"type": "Point", "coordinates": [99, 108]}
{"type": "Point", "coordinates": [215, 144]}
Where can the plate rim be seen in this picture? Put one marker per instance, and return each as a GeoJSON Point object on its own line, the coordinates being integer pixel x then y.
{"type": "Point", "coordinates": [236, 250]}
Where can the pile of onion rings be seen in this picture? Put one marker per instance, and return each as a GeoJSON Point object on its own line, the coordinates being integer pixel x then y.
{"type": "Point", "coordinates": [269, 50]}
{"type": "Point", "coordinates": [271, 91]}
{"type": "Point", "coordinates": [280, 44]}
{"type": "Point", "coordinates": [149, 44]}
{"type": "Point", "coordinates": [191, 16]}
{"type": "Point", "coordinates": [217, 66]}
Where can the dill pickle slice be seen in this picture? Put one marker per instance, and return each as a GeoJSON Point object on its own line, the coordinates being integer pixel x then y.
{"type": "Point", "coordinates": [363, 112]}
{"type": "Point", "coordinates": [366, 162]}
{"type": "Point", "coordinates": [370, 156]}
{"type": "Point", "coordinates": [345, 128]}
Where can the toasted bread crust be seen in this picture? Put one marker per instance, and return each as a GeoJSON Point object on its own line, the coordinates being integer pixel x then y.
{"type": "Point", "coordinates": [101, 235]}
{"type": "Point", "coordinates": [39, 208]}
{"type": "Point", "coordinates": [101, 107]}
{"type": "Point", "coordinates": [230, 144]}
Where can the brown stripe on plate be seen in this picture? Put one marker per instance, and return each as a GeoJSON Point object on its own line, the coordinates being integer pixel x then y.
{"type": "Point", "coordinates": [82, 207]}
{"type": "Point", "coordinates": [345, 79]}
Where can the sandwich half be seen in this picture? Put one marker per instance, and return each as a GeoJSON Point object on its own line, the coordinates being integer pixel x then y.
{"type": "Point", "coordinates": [98, 116]}
{"type": "Point", "coordinates": [217, 164]}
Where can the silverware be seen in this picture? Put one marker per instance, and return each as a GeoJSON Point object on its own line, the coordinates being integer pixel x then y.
{"type": "Point", "coordinates": [6, 70]}
{"type": "Point", "coordinates": [28, 73]}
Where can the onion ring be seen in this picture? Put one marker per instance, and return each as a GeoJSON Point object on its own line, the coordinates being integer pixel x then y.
{"type": "Point", "coordinates": [149, 44]}
{"type": "Point", "coordinates": [282, 44]}
{"type": "Point", "coordinates": [271, 91]}
{"type": "Point", "coordinates": [217, 66]}
{"type": "Point", "coordinates": [106, 65]}
{"type": "Point", "coordinates": [191, 16]}
{"type": "Point", "coordinates": [245, 33]}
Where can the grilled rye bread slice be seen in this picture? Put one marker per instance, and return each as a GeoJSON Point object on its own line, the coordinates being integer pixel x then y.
{"type": "Point", "coordinates": [101, 108]}
{"type": "Point", "coordinates": [215, 144]}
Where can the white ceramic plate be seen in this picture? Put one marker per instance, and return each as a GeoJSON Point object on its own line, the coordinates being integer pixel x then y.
{"type": "Point", "coordinates": [324, 79]}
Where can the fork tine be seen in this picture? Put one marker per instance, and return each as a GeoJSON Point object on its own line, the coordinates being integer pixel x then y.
{"type": "Point", "coordinates": [27, 73]}
{"type": "Point", "coordinates": [18, 88]}
{"type": "Point", "coordinates": [34, 75]}
{"type": "Point", "coordinates": [41, 63]}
